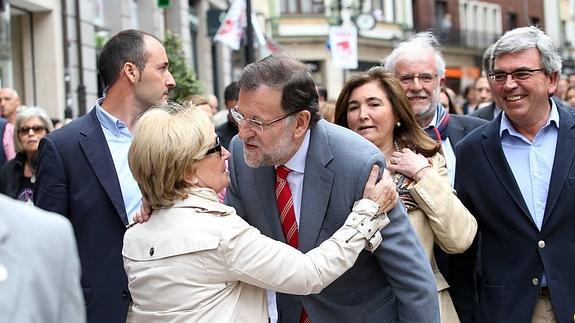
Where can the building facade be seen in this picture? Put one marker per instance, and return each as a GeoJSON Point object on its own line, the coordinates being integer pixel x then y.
{"type": "Point", "coordinates": [49, 48]}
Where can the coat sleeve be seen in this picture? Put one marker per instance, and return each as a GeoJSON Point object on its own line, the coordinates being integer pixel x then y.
{"type": "Point", "coordinates": [258, 260]}
{"type": "Point", "coordinates": [453, 226]}
{"type": "Point", "coordinates": [405, 264]}
{"type": "Point", "coordinates": [51, 187]}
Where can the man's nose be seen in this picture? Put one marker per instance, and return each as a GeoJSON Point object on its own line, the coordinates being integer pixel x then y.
{"type": "Point", "coordinates": [416, 85]}
{"type": "Point", "coordinates": [244, 131]}
{"type": "Point", "coordinates": [170, 82]}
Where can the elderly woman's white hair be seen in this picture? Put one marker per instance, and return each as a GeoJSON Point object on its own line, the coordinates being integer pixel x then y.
{"type": "Point", "coordinates": [26, 113]}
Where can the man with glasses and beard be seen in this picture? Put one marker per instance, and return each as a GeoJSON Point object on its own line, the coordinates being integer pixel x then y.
{"type": "Point", "coordinates": [280, 130]}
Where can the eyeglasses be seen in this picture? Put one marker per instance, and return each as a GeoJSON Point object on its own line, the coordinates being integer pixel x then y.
{"type": "Point", "coordinates": [424, 78]}
{"type": "Point", "coordinates": [256, 125]}
{"type": "Point", "coordinates": [517, 75]}
{"type": "Point", "coordinates": [217, 148]}
{"type": "Point", "coordinates": [36, 129]}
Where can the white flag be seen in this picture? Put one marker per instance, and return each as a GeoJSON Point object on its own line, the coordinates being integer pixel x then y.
{"type": "Point", "coordinates": [231, 30]}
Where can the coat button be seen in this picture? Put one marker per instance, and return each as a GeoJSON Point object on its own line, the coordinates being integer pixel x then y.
{"type": "Point", "coordinates": [152, 251]}
{"type": "Point", "coordinates": [535, 281]}
{"type": "Point", "coordinates": [541, 244]}
{"type": "Point", "coordinates": [125, 293]}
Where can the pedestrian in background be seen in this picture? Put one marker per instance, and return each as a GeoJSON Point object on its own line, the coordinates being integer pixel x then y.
{"type": "Point", "coordinates": [17, 176]}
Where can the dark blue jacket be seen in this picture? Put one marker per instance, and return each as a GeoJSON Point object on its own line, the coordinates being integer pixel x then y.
{"type": "Point", "coordinates": [513, 250]}
{"type": "Point", "coordinates": [76, 177]}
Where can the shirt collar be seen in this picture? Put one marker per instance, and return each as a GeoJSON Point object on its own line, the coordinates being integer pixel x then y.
{"type": "Point", "coordinates": [108, 121]}
{"type": "Point", "coordinates": [297, 162]}
{"type": "Point", "coordinates": [507, 126]}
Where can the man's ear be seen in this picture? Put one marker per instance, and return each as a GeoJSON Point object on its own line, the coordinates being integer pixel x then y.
{"type": "Point", "coordinates": [131, 71]}
{"type": "Point", "coordinates": [553, 82]}
{"type": "Point", "coordinates": [302, 123]}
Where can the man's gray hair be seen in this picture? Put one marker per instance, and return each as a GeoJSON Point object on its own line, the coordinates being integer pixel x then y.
{"type": "Point", "coordinates": [413, 47]}
{"type": "Point", "coordinates": [524, 38]}
{"type": "Point", "coordinates": [486, 61]}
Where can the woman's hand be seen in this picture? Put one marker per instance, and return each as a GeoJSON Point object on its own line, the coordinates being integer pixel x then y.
{"type": "Point", "coordinates": [144, 213]}
{"type": "Point", "coordinates": [382, 192]}
{"type": "Point", "coordinates": [409, 163]}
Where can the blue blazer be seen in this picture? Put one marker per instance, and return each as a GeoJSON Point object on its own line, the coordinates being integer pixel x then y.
{"type": "Point", "coordinates": [76, 177]}
{"type": "Point", "coordinates": [513, 250]}
{"type": "Point", "coordinates": [393, 283]}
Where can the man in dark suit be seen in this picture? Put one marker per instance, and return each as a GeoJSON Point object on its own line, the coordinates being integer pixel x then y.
{"type": "Point", "coordinates": [420, 69]}
{"type": "Point", "coordinates": [516, 175]}
{"type": "Point", "coordinates": [279, 124]}
{"type": "Point", "coordinates": [83, 171]}
{"type": "Point", "coordinates": [491, 110]}
{"type": "Point", "coordinates": [488, 112]}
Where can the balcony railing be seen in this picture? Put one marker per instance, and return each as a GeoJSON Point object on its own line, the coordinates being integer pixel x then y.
{"type": "Point", "coordinates": [463, 38]}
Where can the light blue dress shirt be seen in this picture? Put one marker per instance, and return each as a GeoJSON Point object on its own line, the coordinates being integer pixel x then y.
{"type": "Point", "coordinates": [532, 162]}
{"type": "Point", "coordinates": [119, 140]}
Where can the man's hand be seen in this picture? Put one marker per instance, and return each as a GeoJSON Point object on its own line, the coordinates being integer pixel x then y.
{"type": "Point", "coordinates": [143, 215]}
{"type": "Point", "coordinates": [382, 192]}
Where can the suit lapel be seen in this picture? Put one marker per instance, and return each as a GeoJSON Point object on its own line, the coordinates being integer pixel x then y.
{"type": "Point", "coordinates": [317, 186]}
{"type": "Point", "coordinates": [563, 162]}
{"type": "Point", "coordinates": [456, 130]}
{"type": "Point", "coordinates": [99, 157]}
{"type": "Point", "coordinates": [491, 145]}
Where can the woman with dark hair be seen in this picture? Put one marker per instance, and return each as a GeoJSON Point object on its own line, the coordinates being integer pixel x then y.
{"type": "Point", "coordinates": [374, 105]}
{"type": "Point", "coordinates": [17, 176]}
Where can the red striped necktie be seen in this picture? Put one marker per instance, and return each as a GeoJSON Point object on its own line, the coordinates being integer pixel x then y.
{"type": "Point", "coordinates": [287, 216]}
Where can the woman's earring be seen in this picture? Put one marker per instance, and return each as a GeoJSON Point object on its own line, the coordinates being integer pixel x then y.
{"type": "Point", "coordinates": [398, 124]}
{"type": "Point", "coordinates": [195, 181]}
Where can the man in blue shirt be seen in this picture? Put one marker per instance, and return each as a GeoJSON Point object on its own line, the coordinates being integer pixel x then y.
{"type": "Point", "coordinates": [83, 171]}
{"type": "Point", "coordinates": [515, 174]}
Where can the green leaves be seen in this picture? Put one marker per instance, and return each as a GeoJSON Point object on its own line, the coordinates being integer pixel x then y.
{"type": "Point", "coordinates": [186, 82]}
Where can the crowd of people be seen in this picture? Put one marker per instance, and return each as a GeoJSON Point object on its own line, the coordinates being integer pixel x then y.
{"type": "Point", "coordinates": [387, 205]}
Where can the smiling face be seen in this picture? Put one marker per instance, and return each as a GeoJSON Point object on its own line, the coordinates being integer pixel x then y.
{"type": "Point", "coordinates": [423, 97]}
{"type": "Point", "coordinates": [155, 80]}
{"type": "Point", "coordinates": [525, 102]}
{"type": "Point", "coordinates": [31, 138]}
{"type": "Point", "coordinates": [370, 114]}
